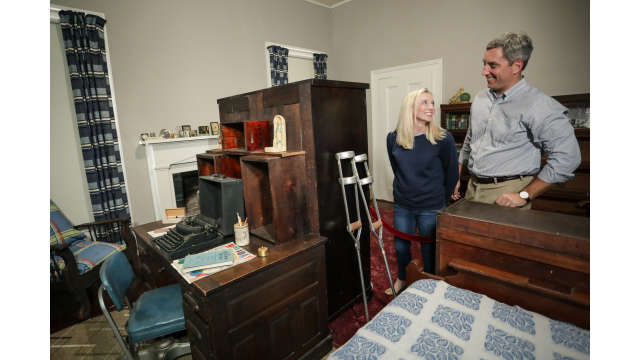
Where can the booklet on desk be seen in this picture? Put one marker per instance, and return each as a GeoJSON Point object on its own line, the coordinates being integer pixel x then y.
{"type": "Point", "coordinates": [207, 260]}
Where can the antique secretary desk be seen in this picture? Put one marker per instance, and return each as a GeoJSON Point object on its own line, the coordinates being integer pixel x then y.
{"type": "Point", "coordinates": [323, 117]}
{"type": "Point", "coordinates": [278, 307]}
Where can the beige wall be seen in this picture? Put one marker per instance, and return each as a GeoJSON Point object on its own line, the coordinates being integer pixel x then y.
{"type": "Point", "coordinates": [375, 34]}
{"type": "Point", "coordinates": [171, 60]}
{"type": "Point", "coordinates": [67, 180]}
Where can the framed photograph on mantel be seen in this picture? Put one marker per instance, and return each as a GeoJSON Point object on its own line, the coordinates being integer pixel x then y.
{"type": "Point", "coordinates": [186, 128]}
{"type": "Point", "coordinates": [215, 128]}
{"type": "Point", "coordinates": [203, 130]}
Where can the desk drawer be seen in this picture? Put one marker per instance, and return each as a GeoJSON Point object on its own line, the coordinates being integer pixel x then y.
{"type": "Point", "coordinates": [198, 332]}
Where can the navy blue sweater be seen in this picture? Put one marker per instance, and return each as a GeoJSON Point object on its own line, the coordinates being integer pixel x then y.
{"type": "Point", "coordinates": [425, 176]}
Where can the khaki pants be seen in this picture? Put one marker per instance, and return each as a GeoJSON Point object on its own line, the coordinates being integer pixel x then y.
{"type": "Point", "coordinates": [489, 193]}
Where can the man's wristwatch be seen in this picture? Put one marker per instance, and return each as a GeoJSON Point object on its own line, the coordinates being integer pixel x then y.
{"type": "Point", "coordinates": [525, 196]}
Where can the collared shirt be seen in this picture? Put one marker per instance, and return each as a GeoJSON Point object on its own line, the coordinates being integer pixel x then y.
{"type": "Point", "coordinates": [508, 134]}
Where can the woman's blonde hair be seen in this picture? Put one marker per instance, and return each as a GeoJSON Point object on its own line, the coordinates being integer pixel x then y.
{"type": "Point", "coordinates": [406, 118]}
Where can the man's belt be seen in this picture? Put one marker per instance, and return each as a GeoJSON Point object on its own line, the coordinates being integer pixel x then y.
{"type": "Point", "coordinates": [496, 179]}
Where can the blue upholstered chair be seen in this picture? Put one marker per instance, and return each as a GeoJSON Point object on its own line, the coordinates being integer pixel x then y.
{"type": "Point", "coordinates": [75, 258]}
{"type": "Point", "coordinates": [156, 314]}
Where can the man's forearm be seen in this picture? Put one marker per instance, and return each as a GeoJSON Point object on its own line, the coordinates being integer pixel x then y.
{"type": "Point", "coordinates": [536, 188]}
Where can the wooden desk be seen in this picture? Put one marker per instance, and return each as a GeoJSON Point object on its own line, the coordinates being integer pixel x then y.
{"type": "Point", "coordinates": [535, 259]}
{"type": "Point", "coordinates": [273, 307]}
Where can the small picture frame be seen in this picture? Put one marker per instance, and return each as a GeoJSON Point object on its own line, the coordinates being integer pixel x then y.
{"type": "Point", "coordinates": [203, 130]}
{"type": "Point", "coordinates": [186, 128]}
{"type": "Point", "coordinates": [215, 128]}
{"type": "Point", "coordinates": [194, 133]}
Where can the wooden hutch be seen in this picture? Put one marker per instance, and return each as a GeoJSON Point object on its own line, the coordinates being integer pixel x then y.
{"type": "Point", "coordinates": [322, 118]}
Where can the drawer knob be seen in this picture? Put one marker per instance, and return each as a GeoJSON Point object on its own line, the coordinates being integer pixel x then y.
{"type": "Point", "coordinates": [194, 330]}
{"type": "Point", "coordinates": [192, 303]}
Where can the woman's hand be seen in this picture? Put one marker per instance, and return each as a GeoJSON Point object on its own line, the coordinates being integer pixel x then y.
{"type": "Point", "coordinates": [456, 192]}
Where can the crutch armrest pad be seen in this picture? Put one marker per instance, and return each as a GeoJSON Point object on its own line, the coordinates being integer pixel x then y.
{"type": "Point", "coordinates": [377, 224]}
{"type": "Point", "coordinates": [354, 225]}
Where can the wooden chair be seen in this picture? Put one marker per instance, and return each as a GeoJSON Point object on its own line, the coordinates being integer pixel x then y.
{"type": "Point", "coordinates": [76, 258]}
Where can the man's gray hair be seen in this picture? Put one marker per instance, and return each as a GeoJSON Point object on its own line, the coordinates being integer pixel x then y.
{"type": "Point", "coordinates": [515, 46]}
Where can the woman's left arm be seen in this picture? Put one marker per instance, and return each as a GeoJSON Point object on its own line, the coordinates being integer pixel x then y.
{"type": "Point", "coordinates": [449, 158]}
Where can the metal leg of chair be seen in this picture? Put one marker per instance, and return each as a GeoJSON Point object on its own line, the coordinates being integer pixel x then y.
{"type": "Point", "coordinates": [177, 350]}
{"type": "Point", "coordinates": [112, 324]}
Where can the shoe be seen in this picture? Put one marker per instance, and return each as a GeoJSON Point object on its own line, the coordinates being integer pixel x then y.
{"type": "Point", "coordinates": [398, 291]}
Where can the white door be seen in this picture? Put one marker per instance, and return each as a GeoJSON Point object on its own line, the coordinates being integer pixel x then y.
{"type": "Point", "coordinates": [388, 89]}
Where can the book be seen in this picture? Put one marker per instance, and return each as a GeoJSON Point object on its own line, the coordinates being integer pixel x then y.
{"type": "Point", "coordinates": [208, 259]}
{"type": "Point", "coordinates": [161, 231]}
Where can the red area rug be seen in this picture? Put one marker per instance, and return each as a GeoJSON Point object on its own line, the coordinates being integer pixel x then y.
{"type": "Point", "coordinates": [346, 324]}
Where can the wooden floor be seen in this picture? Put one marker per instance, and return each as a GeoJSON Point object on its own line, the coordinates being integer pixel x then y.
{"type": "Point", "coordinates": [93, 339]}
{"type": "Point", "coordinates": [90, 339]}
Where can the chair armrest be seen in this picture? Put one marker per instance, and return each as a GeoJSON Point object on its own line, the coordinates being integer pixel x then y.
{"type": "Point", "coordinates": [59, 247]}
{"type": "Point", "coordinates": [103, 222]}
{"type": "Point", "coordinates": [103, 230]}
{"type": "Point", "coordinates": [70, 271]}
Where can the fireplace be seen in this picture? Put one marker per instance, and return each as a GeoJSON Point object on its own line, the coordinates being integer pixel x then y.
{"type": "Point", "coordinates": [169, 157]}
{"type": "Point", "coordinates": [185, 186]}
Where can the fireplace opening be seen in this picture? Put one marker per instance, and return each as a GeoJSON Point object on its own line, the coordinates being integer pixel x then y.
{"type": "Point", "coordinates": [185, 185]}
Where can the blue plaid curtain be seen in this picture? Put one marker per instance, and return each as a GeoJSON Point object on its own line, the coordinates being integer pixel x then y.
{"type": "Point", "coordinates": [320, 66]}
{"type": "Point", "coordinates": [279, 67]}
{"type": "Point", "coordinates": [84, 47]}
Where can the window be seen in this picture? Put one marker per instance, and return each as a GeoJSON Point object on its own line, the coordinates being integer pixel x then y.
{"type": "Point", "coordinates": [300, 62]}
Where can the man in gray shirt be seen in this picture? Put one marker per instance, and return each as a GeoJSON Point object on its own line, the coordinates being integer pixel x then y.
{"type": "Point", "coordinates": [512, 123]}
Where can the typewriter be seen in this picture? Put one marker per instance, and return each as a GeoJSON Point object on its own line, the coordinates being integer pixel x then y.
{"type": "Point", "coordinates": [221, 199]}
{"type": "Point", "coordinates": [191, 235]}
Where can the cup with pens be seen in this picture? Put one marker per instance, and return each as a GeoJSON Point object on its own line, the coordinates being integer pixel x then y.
{"type": "Point", "coordinates": [241, 231]}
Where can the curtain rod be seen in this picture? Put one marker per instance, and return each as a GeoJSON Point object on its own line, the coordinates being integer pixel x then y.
{"type": "Point", "coordinates": [296, 51]}
{"type": "Point", "coordinates": [55, 17]}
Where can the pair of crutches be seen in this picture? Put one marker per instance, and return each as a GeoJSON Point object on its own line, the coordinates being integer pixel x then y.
{"type": "Point", "coordinates": [355, 228]}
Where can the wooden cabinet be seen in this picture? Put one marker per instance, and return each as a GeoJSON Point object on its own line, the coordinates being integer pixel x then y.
{"type": "Point", "coordinates": [322, 118]}
{"type": "Point", "coordinates": [571, 197]}
{"type": "Point", "coordinates": [455, 118]}
{"type": "Point", "coordinates": [534, 259]}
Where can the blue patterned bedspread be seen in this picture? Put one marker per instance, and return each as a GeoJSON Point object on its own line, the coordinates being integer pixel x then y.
{"type": "Point", "coordinates": [434, 320]}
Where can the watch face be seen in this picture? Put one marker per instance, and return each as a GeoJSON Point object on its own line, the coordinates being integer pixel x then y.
{"type": "Point", "coordinates": [524, 195]}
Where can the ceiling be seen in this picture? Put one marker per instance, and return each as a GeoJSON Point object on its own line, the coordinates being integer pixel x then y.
{"type": "Point", "coordinates": [328, 3]}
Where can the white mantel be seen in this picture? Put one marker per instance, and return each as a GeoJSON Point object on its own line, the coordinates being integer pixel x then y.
{"type": "Point", "coordinates": [166, 157]}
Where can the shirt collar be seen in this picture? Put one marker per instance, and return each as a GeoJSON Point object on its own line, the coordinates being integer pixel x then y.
{"type": "Point", "coordinates": [511, 92]}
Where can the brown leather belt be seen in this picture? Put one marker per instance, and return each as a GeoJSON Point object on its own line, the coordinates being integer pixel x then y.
{"type": "Point", "coordinates": [496, 179]}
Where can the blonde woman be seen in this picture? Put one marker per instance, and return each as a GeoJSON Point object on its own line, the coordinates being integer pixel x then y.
{"type": "Point", "coordinates": [425, 168]}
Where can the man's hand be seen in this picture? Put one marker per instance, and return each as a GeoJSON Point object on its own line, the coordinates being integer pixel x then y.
{"type": "Point", "coordinates": [456, 192]}
{"type": "Point", "coordinates": [512, 199]}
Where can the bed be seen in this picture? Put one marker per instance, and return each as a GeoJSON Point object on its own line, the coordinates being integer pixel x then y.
{"type": "Point", "coordinates": [434, 320]}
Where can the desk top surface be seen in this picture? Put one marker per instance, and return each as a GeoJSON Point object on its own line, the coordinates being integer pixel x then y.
{"type": "Point", "coordinates": [535, 220]}
{"type": "Point", "coordinates": [214, 282]}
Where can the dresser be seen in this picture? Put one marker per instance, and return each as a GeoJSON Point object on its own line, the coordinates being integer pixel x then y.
{"type": "Point", "coordinates": [272, 307]}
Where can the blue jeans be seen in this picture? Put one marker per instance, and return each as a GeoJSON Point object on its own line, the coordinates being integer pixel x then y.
{"type": "Point", "coordinates": [406, 220]}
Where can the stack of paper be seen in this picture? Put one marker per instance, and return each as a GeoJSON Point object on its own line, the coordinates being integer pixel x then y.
{"type": "Point", "coordinates": [207, 260]}
{"type": "Point", "coordinates": [240, 256]}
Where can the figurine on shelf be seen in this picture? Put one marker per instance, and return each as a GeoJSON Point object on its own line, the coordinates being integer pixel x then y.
{"type": "Point", "coordinates": [455, 99]}
{"type": "Point", "coordinates": [279, 135]}
{"type": "Point", "coordinates": [460, 97]}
